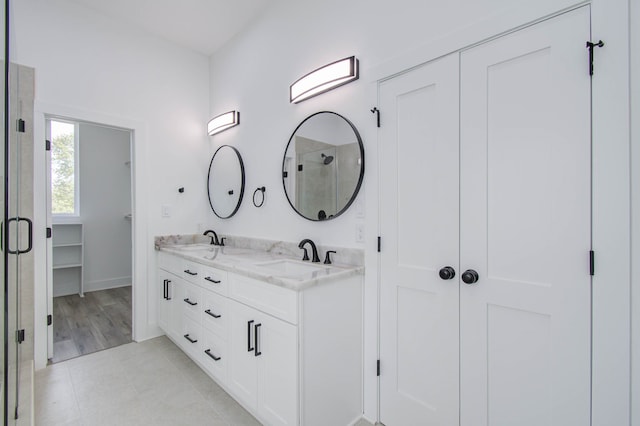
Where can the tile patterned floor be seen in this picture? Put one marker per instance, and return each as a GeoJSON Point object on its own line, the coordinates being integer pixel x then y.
{"type": "Point", "coordinates": [147, 383]}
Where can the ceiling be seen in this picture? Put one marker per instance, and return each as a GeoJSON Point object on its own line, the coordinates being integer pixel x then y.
{"type": "Point", "coordinates": [200, 25]}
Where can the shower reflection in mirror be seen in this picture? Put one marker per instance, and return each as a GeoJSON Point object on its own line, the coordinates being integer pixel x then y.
{"type": "Point", "coordinates": [322, 167]}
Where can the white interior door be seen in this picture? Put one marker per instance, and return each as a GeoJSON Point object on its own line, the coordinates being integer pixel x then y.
{"type": "Point", "coordinates": [419, 226]}
{"type": "Point", "coordinates": [507, 198]}
{"type": "Point", "coordinates": [525, 170]}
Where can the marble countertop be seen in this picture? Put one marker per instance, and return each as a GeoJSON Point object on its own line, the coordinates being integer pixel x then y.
{"type": "Point", "coordinates": [274, 268]}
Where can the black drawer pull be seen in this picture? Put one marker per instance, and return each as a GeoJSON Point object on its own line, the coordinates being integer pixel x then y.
{"type": "Point", "coordinates": [215, 358]}
{"type": "Point", "coordinates": [249, 348]}
{"type": "Point", "coordinates": [211, 280]}
{"type": "Point", "coordinates": [208, 312]}
{"type": "Point", "coordinates": [190, 302]}
{"type": "Point", "coordinates": [186, 271]}
{"type": "Point", "coordinates": [255, 336]}
{"type": "Point", "coordinates": [164, 289]}
{"type": "Point", "coordinates": [186, 336]}
{"type": "Point", "coordinates": [168, 295]}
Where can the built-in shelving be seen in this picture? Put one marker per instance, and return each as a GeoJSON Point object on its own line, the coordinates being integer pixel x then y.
{"type": "Point", "coordinates": [68, 259]}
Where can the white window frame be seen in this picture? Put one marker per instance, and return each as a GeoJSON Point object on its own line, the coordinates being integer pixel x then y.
{"type": "Point", "coordinates": [65, 217]}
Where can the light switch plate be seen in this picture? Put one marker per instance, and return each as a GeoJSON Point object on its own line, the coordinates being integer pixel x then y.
{"type": "Point", "coordinates": [166, 211]}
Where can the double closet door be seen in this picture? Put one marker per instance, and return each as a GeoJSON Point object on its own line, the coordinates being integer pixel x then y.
{"type": "Point", "coordinates": [485, 223]}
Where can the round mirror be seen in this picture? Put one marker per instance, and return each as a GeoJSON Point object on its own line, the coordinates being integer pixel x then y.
{"type": "Point", "coordinates": [225, 183]}
{"type": "Point", "coordinates": [323, 166]}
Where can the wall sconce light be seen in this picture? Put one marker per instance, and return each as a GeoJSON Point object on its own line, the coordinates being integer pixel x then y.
{"type": "Point", "coordinates": [223, 122]}
{"type": "Point", "coordinates": [324, 79]}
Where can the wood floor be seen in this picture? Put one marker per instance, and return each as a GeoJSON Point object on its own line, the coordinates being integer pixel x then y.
{"type": "Point", "coordinates": [97, 321]}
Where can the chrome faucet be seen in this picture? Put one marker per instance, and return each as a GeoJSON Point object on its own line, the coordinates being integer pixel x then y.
{"type": "Point", "coordinates": [214, 237]}
{"type": "Point", "coordinates": [314, 250]}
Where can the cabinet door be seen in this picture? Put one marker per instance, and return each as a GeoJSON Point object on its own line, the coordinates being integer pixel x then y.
{"type": "Point", "coordinates": [163, 304]}
{"type": "Point", "coordinates": [419, 226]}
{"type": "Point", "coordinates": [277, 350]}
{"type": "Point", "coordinates": [243, 367]}
{"type": "Point", "coordinates": [525, 170]}
{"type": "Point", "coordinates": [175, 291]}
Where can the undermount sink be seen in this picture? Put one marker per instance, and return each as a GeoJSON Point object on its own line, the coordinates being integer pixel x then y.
{"type": "Point", "coordinates": [292, 267]}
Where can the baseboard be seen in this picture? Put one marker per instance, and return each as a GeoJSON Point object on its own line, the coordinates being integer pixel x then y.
{"type": "Point", "coordinates": [90, 286]}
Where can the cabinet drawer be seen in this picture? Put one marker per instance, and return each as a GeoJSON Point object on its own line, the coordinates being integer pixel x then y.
{"type": "Point", "coordinates": [192, 301]}
{"type": "Point", "coordinates": [214, 313]}
{"type": "Point", "coordinates": [191, 336]}
{"type": "Point", "coordinates": [277, 301]}
{"type": "Point", "coordinates": [190, 271]}
{"type": "Point", "coordinates": [214, 355]}
{"type": "Point", "coordinates": [214, 279]}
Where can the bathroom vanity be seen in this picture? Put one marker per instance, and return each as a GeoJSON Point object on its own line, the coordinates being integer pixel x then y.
{"type": "Point", "coordinates": [282, 336]}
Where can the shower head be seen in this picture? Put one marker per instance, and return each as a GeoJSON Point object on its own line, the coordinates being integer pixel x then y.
{"type": "Point", "coordinates": [327, 158]}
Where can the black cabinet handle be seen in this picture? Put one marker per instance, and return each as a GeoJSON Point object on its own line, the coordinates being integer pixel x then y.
{"type": "Point", "coordinates": [208, 312]}
{"type": "Point", "coordinates": [215, 358]}
{"type": "Point", "coordinates": [164, 289]}
{"type": "Point", "coordinates": [447, 273]}
{"type": "Point", "coordinates": [190, 302]}
{"type": "Point", "coordinates": [255, 336]}
{"type": "Point", "coordinates": [211, 280]}
{"type": "Point", "coordinates": [190, 272]}
{"type": "Point", "coordinates": [470, 276]}
{"type": "Point", "coordinates": [168, 295]}
{"type": "Point", "coordinates": [249, 348]}
{"type": "Point", "coordinates": [186, 336]}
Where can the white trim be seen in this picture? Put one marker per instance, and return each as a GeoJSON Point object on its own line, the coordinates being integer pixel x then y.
{"type": "Point", "coordinates": [143, 328]}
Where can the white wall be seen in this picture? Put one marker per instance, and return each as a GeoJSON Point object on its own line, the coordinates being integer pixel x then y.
{"type": "Point", "coordinates": [91, 68]}
{"type": "Point", "coordinates": [253, 73]}
{"type": "Point", "coordinates": [105, 199]}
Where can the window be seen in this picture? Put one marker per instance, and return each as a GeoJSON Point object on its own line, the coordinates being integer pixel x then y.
{"type": "Point", "coordinates": [64, 168]}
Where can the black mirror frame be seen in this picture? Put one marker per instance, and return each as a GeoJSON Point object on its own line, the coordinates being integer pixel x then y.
{"type": "Point", "coordinates": [241, 186]}
{"type": "Point", "coordinates": [360, 178]}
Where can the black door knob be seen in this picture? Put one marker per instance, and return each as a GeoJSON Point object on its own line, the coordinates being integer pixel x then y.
{"type": "Point", "coordinates": [470, 276]}
{"type": "Point", "coordinates": [447, 273]}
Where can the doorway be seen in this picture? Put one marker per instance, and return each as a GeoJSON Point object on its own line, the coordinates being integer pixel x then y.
{"type": "Point", "coordinates": [89, 212]}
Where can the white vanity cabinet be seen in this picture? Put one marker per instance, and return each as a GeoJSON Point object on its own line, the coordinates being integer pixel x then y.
{"type": "Point", "coordinates": [289, 351]}
{"type": "Point", "coordinates": [263, 367]}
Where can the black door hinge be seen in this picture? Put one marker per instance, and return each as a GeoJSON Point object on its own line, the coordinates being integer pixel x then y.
{"type": "Point", "coordinates": [20, 335]}
{"type": "Point", "coordinates": [376, 111]}
{"type": "Point", "coordinates": [378, 368]}
{"type": "Point", "coordinates": [590, 46]}
{"type": "Point", "coordinates": [299, 167]}
{"type": "Point", "coordinates": [47, 145]}
{"type": "Point", "coordinates": [592, 263]}
{"type": "Point", "coordinates": [379, 244]}
{"type": "Point", "coordinates": [49, 232]}
{"type": "Point", "coordinates": [49, 319]}
{"type": "Point", "coordinates": [20, 125]}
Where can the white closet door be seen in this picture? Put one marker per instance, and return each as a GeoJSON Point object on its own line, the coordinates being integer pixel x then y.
{"type": "Point", "coordinates": [525, 227]}
{"type": "Point", "coordinates": [419, 224]}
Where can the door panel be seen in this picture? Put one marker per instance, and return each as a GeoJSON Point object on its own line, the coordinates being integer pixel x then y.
{"type": "Point", "coordinates": [277, 343]}
{"type": "Point", "coordinates": [419, 225]}
{"type": "Point", "coordinates": [525, 227]}
{"type": "Point", "coordinates": [243, 368]}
